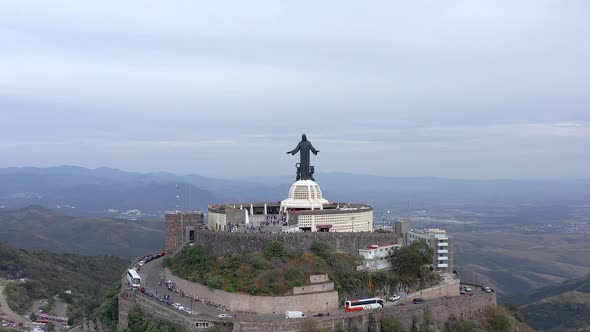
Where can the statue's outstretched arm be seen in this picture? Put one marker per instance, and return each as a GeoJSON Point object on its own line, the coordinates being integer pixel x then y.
{"type": "Point", "coordinates": [294, 151]}
{"type": "Point", "coordinates": [312, 149]}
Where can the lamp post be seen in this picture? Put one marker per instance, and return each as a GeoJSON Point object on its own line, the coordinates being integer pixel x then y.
{"type": "Point", "coordinates": [389, 218]}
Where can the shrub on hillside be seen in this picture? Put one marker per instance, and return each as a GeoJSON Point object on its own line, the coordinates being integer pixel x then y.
{"type": "Point", "coordinates": [496, 320]}
{"type": "Point", "coordinates": [17, 297]}
{"type": "Point", "coordinates": [275, 249]}
{"type": "Point", "coordinates": [108, 312]}
{"type": "Point", "coordinates": [391, 324]}
{"type": "Point", "coordinates": [459, 325]}
{"type": "Point", "coordinates": [214, 281]}
{"type": "Point", "coordinates": [321, 249]}
{"type": "Point", "coordinates": [138, 322]}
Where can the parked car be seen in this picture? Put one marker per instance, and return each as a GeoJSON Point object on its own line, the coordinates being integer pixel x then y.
{"type": "Point", "coordinates": [394, 298]}
{"type": "Point", "coordinates": [462, 291]}
{"type": "Point", "coordinates": [487, 289]}
{"type": "Point", "coordinates": [294, 314]}
{"type": "Point", "coordinates": [224, 316]}
{"type": "Point", "coordinates": [177, 305]}
{"type": "Point", "coordinates": [468, 289]}
{"type": "Point", "coordinates": [418, 300]}
{"type": "Point", "coordinates": [187, 310]}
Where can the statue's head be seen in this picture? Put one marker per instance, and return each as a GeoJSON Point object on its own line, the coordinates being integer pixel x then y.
{"type": "Point", "coordinates": [303, 137]}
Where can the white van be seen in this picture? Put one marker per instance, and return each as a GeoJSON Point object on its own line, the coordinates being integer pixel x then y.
{"type": "Point", "coordinates": [294, 314]}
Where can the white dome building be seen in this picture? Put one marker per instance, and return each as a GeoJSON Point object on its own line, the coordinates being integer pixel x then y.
{"type": "Point", "coordinates": [304, 194]}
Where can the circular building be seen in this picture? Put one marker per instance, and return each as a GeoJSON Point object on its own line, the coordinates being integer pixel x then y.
{"type": "Point", "coordinates": [304, 210]}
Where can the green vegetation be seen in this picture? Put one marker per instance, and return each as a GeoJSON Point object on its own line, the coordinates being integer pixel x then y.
{"type": "Point", "coordinates": [492, 319]}
{"type": "Point", "coordinates": [108, 312]}
{"type": "Point", "coordinates": [423, 322]}
{"type": "Point", "coordinates": [496, 319]}
{"type": "Point", "coordinates": [455, 325]}
{"type": "Point", "coordinates": [49, 274]}
{"type": "Point", "coordinates": [138, 322]}
{"type": "Point", "coordinates": [410, 265]}
{"type": "Point", "coordinates": [561, 307]}
{"type": "Point", "coordinates": [276, 270]}
{"type": "Point", "coordinates": [391, 324]}
{"type": "Point", "coordinates": [558, 316]}
{"type": "Point", "coordinates": [18, 297]}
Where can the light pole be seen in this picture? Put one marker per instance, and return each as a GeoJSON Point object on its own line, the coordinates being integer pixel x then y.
{"type": "Point", "coordinates": [389, 218]}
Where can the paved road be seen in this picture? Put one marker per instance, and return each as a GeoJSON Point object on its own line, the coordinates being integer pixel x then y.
{"type": "Point", "coordinates": [61, 307]}
{"type": "Point", "coordinates": [150, 276]}
{"type": "Point", "coordinates": [5, 308]}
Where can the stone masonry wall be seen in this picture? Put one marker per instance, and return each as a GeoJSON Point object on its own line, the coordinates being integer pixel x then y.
{"type": "Point", "coordinates": [223, 243]}
{"type": "Point", "coordinates": [446, 288]}
{"type": "Point", "coordinates": [323, 287]}
{"type": "Point", "coordinates": [467, 307]}
{"type": "Point", "coordinates": [314, 303]}
{"type": "Point", "coordinates": [126, 302]}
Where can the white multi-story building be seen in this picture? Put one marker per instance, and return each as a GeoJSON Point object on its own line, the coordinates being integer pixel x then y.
{"type": "Point", "coordinates": [441, 244]}
{"type": "Point", "coordinates": [377, 257]}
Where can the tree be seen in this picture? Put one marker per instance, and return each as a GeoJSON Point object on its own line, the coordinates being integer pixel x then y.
{"type": "Point", "coordinates": [108, 312]}
{"type": "Point", "coordinates": [407, 262]}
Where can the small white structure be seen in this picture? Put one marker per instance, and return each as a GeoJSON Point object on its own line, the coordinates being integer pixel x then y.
{"type": "Point", "coordinates": [377, 257]}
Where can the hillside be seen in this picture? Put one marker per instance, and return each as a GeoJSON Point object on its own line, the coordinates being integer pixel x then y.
{"type": "Point", "coordinates": [95, 191]}
{"type": "Point", "coordinates": [49, 274]}
{"type": "Point", "coordinates": [515, 263]}
{"type": "Point", "coordinates": [38, 228]}
{"type": "Point", "coordinates": [561, 307]}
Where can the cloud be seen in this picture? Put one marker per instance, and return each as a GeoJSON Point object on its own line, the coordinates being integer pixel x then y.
{"type": "Point", "coordinates": [468, 83]}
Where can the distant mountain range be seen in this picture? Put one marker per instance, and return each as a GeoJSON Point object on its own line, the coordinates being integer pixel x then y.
{"type": "Point", "coordinates": [561, 307]}
{"type": "Point", "coordinates": [96, 191]}
{"type": "Point", "coordinates": [38, 228]}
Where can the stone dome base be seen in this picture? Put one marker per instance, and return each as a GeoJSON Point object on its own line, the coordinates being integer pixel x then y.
{"type": "Point", "coordinates": [304, 194]}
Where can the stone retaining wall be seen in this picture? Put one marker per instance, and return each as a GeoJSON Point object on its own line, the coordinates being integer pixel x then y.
{"type": "Point", "coordinates": [467, 307]}
{"type": "Point", "coordinates": [310, 303]}
{"type": "Point", "coordinates": [446, 288]}
{"type": "Point", "coordinates": [225, 243]}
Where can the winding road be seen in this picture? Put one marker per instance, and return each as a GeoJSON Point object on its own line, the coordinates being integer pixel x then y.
{"type": "Point", "coordinates": [5, 310]}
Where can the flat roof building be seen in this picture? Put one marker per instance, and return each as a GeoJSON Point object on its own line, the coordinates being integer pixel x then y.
{"type": "Point", "coordinates": [377, 257]}
{"type": "Point", "coordinates": [440, 242]}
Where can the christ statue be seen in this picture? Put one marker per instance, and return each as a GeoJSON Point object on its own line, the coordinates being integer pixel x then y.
{"type": "Point", "coordinates": [303, 148]}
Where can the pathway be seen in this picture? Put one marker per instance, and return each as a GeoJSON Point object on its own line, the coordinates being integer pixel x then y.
{"type": "Point", "coordinates": [5, 309]}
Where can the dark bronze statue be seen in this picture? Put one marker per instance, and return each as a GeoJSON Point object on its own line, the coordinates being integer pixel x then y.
{"type": "Point", "coordinates": [304, 170]}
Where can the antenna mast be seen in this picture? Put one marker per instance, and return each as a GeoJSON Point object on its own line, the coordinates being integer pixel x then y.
{"type": "Point", "coordinates": [177, 198]}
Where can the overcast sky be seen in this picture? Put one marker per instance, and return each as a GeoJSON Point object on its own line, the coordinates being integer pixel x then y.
{"type": "Point", "coordinates": [462, 89]}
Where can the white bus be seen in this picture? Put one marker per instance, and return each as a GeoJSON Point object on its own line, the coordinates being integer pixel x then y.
{"type": "Point", "coordinates": [133, 278]}
{"type": "Point", "coordinates": [364, 304]}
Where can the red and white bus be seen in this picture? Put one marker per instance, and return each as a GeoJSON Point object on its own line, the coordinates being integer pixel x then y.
{"type": "Point", "coordinates": [364, 304]}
